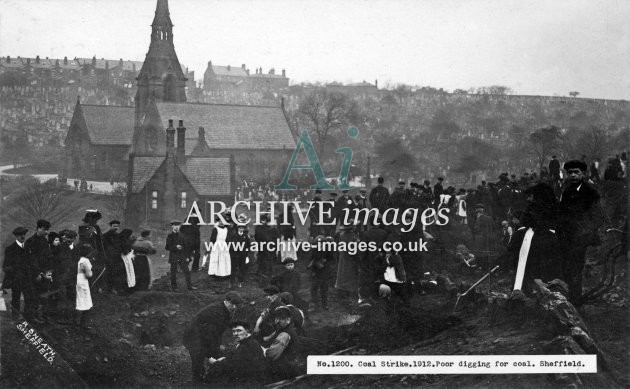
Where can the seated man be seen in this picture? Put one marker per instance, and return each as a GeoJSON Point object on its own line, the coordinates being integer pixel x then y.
{"type": "Point", "coordinates": [264, 328]}
{"type": "Point", "coordinates": [297, 316]}
{"type": "Point", "coordinates": [244, 366]}
{"type": "Point", "coordinates": [285, 349]}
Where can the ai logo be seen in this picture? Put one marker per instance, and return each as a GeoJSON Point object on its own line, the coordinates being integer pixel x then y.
{"type": "Point", "coordinates": [305, 142]}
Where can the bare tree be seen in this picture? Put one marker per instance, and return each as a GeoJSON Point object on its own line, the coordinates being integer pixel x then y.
{"type": "Point", "coordinates": [327, 112]}
{"type": "Point", "coordinates": [116, 203]}
{"type": "Point", "coordinates": [41, 200]}
{"type": "Point", "coordinates": [593, 142]}
{"type": "Point", "coordinates": [545, 142]}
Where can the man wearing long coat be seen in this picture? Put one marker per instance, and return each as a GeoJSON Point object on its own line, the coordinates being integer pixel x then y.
{"type": "Point", "coordinates": [202, 336]}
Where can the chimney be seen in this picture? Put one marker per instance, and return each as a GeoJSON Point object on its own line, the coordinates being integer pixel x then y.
{"type": "Point", "coordinates": [181, 142]}
{"type": "Point", "coordinates": [243, 66]}
{"type": "Point", "coordinates": [229, 68]}
{"type": "Point", "coordinates": [28, 61]}
{"type": "Point", "coordinates": [8, 59]}
{"type": "Point", "coordinates": [272, 71]}
{"type": "Point", "coordinates": [170, 137]}
{"type": "Point", "coordinates": [284, 73]}
{"type": "Point", "coordinates": [247, 71]}
{"type": "Point", "coordinates": [376, 83]}
{"type": "Point", "coordinates": [65, 60]}
{"type": "Point", "coordinates": [202, 135]}
{"type": "Point", "coordinates": [94, 61]}
{"type": "Point", "coordinates": [37, 59]}
{"type": "Point", "coordinates": [120, 63]}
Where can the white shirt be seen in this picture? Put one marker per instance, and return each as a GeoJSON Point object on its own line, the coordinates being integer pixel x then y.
{"type": "Point", "coordinates": [20, 243]}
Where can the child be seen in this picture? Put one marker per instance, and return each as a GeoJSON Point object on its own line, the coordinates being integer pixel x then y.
{"type": "Point", "coordinates": [320, 266]}
{"type": "Point", "coordinates": [84, 298]}
{"type": "Point", "coordinates": [289, 281]}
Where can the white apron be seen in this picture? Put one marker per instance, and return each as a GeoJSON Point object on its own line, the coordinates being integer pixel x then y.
{"type": "Point", "coordinates": [84, 298]}
{"type": "Point", "coordinates": [219, 261]}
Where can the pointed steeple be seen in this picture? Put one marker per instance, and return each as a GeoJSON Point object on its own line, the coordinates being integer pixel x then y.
{"type": "Point", "coordinates": [162, 26]}
{"type": "Point", "coordinates": [161, 77]}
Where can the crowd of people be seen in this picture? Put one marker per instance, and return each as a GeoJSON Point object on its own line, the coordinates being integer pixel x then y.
{"type": "Point", "coordinates": [52, 270]}
{"type": "Point", "coordinates": [538, 226]}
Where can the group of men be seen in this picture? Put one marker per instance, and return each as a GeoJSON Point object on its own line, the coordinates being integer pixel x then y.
{"type": "Point", "coordinates": [43, 270]}
{"type": "Point", "coordinates": [273, 348]}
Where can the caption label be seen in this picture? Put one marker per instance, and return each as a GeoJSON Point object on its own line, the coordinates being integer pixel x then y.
{"type": "Point", "coordinates": [451, 364]}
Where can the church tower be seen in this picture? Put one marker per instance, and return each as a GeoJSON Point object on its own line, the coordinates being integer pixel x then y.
{"type": "Point", "coordinates": [160, 79]}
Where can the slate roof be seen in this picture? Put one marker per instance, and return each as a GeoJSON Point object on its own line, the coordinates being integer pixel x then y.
{"type": "Point", "coordinates": [108, 124]}
{"type": "Point", "coordinates": [268, 75]}
{"type": "Point", "coordinates": [233, 126]}
{"type": "Point", "coordinates": [234, 71]}
{"type": "Point", "coordinates": [143, 169]}
{"type": "Point", "coordinates": [208, 176]}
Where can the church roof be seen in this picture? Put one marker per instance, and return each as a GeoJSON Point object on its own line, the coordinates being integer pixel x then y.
{"type": "Point", "coordinates": [108, 124]}
{"type": "Point", "coordinates": [232, 71]}
{"type": "Point", "coordinates": [144, 169]}
{"type": "Point", "coordinates": [208, 176]}
{"type": "Point", "coordinates": [233, 126]}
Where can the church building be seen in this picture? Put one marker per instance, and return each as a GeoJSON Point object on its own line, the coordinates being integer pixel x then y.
{"type": "Point", "coordinates": [166, 172]}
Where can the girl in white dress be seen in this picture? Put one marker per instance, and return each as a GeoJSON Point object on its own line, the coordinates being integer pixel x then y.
{"type": "Point", "coordinates": [219, 262]}
{"type": "Point", "coordinates": [84, 298]}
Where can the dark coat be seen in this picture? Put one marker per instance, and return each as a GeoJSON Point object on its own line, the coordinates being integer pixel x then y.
{"type": "Point", "coordinates": [202, 335]}
{"type": "Point", "coordinates": [89, 234]}
{"type": "Point", "coordinates": [18, 267]}
{"type": "Point", "coordinates": [239, 239]}
{"type": "Point", "coordinates": [192, 233]}
{"type": "Point", "coordinates": [554, 168]}
{"type": "Point", "coordinates": [68, 260]}
{"type": "Point", "coordinates": [39, 253]}
{"type": "Point", "coordinates": [379, 198]}
{"type": "Point", "coordinates": [578, 217]}
{"type": "Point", "coordinates": [288, 281]}
{"type": "Point", "coordinates": [245, 365]}
{"type": "Point", "coordinates": [398, 199]}
{"type": "Point", "coordinates": [111, 244]}
{"type": "Point", "coordinates": [544, 260]}
{"type": "Point", "coordinates": [172, 240]}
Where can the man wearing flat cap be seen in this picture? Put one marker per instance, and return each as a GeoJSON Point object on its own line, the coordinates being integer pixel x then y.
{"type": "Point", "coordinates": [40, 255]}
{"type": "Point", "coordinates": [176, 246]}
{"type": "Point", "coordinates": [398, 199]}
{"type": "Point", "coordinates": [113, 250]}
{"type": "Point", "coordinates": [19, 275]}
{"type": "Point", "coordinates": [202, 336]}
{"type": "Point", "coordinates": [578, 225]}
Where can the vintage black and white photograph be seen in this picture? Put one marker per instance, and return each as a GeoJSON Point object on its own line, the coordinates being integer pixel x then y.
{"type": "Point", "coordinates": [314, 194]}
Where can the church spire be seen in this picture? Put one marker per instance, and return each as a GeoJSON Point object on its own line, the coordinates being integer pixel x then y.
{"type": "Point", "coordinates": [162, 26]}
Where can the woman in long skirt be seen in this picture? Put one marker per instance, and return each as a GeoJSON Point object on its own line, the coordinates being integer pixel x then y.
{"type": "Point", "coordinates": [219, 262]}
{"type": "Point", "coordinates": [83, 295]}
{"type": "Point", "coordinates": [142, 248]}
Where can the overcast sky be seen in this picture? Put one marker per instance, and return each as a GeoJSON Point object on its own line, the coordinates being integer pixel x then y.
{"type": "Point", "coordinates": [541, 47]}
